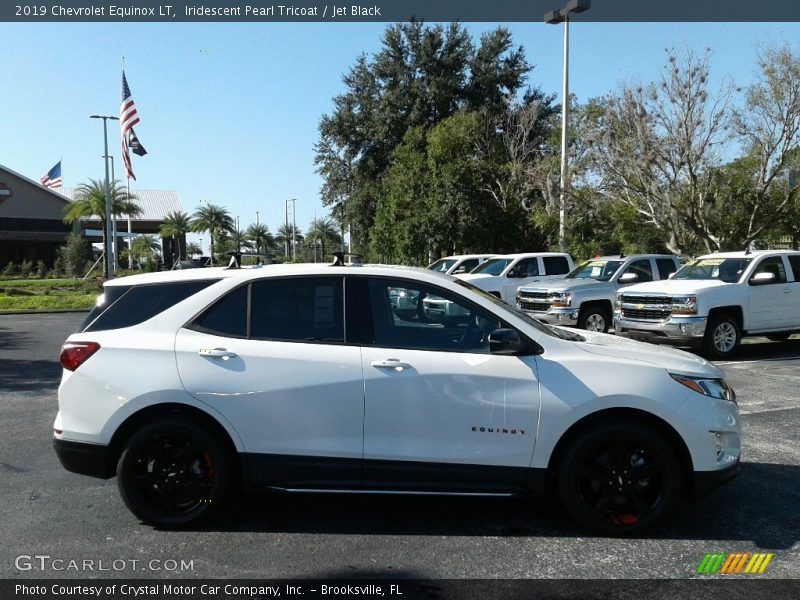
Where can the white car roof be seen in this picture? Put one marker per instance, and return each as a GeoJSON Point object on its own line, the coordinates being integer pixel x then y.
{"type": "Point", "coordinates": [743, 254]}
{"type": "Point", "coordinates": [463, 256]}
{"type": "Point", "coordinates": [529, 254]}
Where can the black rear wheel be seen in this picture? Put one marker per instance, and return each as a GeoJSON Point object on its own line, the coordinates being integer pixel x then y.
{"type": "Point", "coordinates": [173, 473]}
{"type": "Point", "coordinates": [619, 479]}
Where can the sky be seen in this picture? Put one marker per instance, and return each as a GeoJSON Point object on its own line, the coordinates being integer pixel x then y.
{"type": "Point", "coordinates": [229, 112]}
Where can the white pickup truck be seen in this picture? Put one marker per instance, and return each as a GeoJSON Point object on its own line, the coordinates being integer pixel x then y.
{"type": "Point", "coordinates": [715, 300]}
{"type": "Point", "coordinates": [585, 297]}
{"type": "Point", "coordinates": [501, 275]}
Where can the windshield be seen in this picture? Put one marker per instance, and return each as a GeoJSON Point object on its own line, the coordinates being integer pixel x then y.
{"type": "Point", "coordinates": [601, 270]}
{"type": "Point", "coordinates": [545, 329]}
{"type": "Point", "coordinates": [493, 266]}
{"type": "Point", "coordinates": [442, 265]}
{"type": "Point", "coordinates": [728, 270]}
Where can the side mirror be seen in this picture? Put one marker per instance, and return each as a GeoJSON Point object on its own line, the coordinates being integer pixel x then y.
{"type": "Point", "coordinates": [506, 342]}
{"type": "Point", "coordinates": [459, 270]}
{"type": "Point", "coordinates": [513, 272]}
{"type": "Point", "coordinates": [762, 278]}
{"type": "Point", "coordinates": [669, 276]}
{"type": "Point", "coordinates": [628, 277]}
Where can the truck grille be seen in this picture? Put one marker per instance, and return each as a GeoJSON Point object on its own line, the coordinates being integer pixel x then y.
{"type": "Point", "coordinates": [537, 306]}
{"type": "Point", "coordinates": [648, 308]}
{"type": "Point", "coordinates": [536, 295]}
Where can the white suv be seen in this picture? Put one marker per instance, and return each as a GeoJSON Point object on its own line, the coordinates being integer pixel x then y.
{"type": "Point", "coordinates": [304, 377]}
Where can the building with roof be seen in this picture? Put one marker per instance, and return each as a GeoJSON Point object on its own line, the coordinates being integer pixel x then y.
{"type": "Point", "coordinates": [32, 226]}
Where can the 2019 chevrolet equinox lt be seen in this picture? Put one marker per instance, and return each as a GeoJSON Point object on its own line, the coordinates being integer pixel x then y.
{"type": "Point", "coordinates": [307, 378]}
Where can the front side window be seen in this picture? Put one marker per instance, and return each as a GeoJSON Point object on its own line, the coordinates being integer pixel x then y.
{"type": "Point", "coordinates": [642, 269]}
{"type": "Point", "coordinates": [728, 270]}
{"type": "Point", "coordinates": [467, 265]}
{"type": "Point", "coordinates": [417, 316]}
{"type": "Point", "coordinates": [442, 265]}
{"type": "Point", "coordinates": [527, 267]}
{"type": "Point", "coordinates": [493, 266]}
{"type": "Point", "coordinates": [774, 265]}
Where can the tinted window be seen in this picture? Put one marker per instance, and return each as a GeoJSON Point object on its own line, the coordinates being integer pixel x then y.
{"type": "Point", "coordinates": [642, 269]}
{"type": "Point", "coordinates": [666, 267]}
{"type": "Point", "coordinates": [493, 266]}
{"type": "Point", "coordinates": [774, 265]}
{"type": "Point", "coordinates": [143, 302]}
{"type": "Point", "coordinates": [794, 260]}
{"type": "Point", "coordinates": [527, 267]}
{"type": "Point", "coordinates": [467, 265]}
{"type": "Point", "coordinates": [442, 265]}
{"type": "Point", "coordinates": [555, 265]}
{"type": "Point", "coordinates": [300, 309]}
{"type": "Point", "coordinates": [410, 315]}
{"type": "Point", "coordinates": [110, 294]}
{"type": "Point", "coordinates": [227, 317]}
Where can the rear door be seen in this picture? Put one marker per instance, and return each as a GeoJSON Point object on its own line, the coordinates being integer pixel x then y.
{"type": "Point", "coordinates": [273, 358]}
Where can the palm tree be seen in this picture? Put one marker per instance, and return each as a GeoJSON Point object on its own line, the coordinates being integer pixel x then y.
{"type": "Point", "coordinates": [175, 226]}
{"type": "Point", "coordinates": [284, 236]}
{"type": "Point", "coordinates": [90, 202]}
{"type": "Point", "coordinates": [145, 246]}
{"type": "Point", "coordinates": [259, 234]}
{"type": "Point", "coordinates": [324, 230]}
{"type": "Point", "coordinates": [193, 249]}
{"type": "Point", "coordinates": [213, 219]}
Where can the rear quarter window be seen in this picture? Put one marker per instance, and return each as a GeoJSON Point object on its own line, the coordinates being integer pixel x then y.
{"type": "Point", "coordinates": [140, 303]}
{"type": "Point", "coordinates": [555, 265]}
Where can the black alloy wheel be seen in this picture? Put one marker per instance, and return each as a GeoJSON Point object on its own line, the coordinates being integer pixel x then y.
{"type": "Point", "coordinates": [173, 473]}
{"type": "Point", "coordinates": [619, 479]}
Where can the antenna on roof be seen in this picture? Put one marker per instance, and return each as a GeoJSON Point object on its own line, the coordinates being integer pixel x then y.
{"type": "Point", "coordinates": [749, 248]}
{"type": "Point", "coordinates": [236, 259]}
{"type": "Point", "coordinates": [622, 253]}
{"type": "Point", "coordinates": [345, 259]}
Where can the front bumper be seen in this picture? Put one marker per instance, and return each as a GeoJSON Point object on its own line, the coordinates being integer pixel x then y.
{"type": "Point", "coordinates": [83, 458]}
{"type": "Point", "coordinates": [555, 316]}
{"type": "Point", "coordinates": [674, 330]}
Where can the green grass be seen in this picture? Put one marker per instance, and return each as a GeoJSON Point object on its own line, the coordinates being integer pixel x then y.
{"type": "Point", "coordinates": [47, 294]}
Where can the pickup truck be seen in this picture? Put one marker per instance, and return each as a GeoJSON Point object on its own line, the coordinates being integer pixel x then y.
{"type": "Point", "coordinates": [715, 300]}
{"type": "Point", "coordinates": [585, 297]}
{"type": "Point", "coordinates": [458, 263]}
{"type": "Point", "coordinates": [501, 275]}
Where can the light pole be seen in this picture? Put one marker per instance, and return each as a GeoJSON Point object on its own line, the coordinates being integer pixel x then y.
{"type": "Point", "coordinates": [294, 226]}
{"type": "Point", "coordinates": [553, 18]}
{"type": "Point", "coordinates": [107, 246]}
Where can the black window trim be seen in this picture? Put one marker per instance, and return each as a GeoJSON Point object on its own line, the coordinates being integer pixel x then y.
{"type": "Point", "coordinates": [365, 312]}
{"type": "Point", "coordinates": [764, 259]}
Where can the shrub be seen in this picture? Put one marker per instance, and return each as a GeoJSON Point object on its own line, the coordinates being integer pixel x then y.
{"type": "Point", "coordinates": [74, 255]}
{"type": "Point", "coordinates": [25, 268]}
{"type": "Point", "coordinates": [41, 269]}
{"type": "Point", "coordinates": [11, 269]}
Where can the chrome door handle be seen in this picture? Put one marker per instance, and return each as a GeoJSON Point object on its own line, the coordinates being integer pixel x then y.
{"type": "Point", "coordinates": [390, 363]}
{"type": "Point", "coordinates": [216, 353]}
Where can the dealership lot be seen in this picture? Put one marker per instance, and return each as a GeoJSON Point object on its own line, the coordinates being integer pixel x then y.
{"type": "Point", "coordinates": [47, 511]}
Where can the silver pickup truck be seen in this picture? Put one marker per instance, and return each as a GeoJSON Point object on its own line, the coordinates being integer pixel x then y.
{"type": "Point", "coordinates": [715, 300]}
{"type": "Point", "coordinates": [585, 297]}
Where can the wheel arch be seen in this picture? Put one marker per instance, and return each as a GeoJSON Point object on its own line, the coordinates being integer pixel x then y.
{"type": "Point", "coordinates": [734, 310]}
{"type": "Point", "coordinates": [625, 415]}
{"type": "Point", "coordinates": [604, 304]}
{"type": "Point", "coordinates": [152, 413]}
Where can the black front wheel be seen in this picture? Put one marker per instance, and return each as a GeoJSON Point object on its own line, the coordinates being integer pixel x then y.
{"type": "Point", "coordinates": [594, 318]}
{"type": "Point", "coordinates": [173, 473]}
{"type": "Point", "coordinates": [618, 479]}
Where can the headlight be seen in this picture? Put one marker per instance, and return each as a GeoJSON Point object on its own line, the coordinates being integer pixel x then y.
{"type": "Point", "coordinates": [618, 301]}
{"type": "Point", "coordinates": [684, 305]}
{"type": "Point", "coordinates": [715, 388]}
{"type": "Point", "coordinates": [559, 298]}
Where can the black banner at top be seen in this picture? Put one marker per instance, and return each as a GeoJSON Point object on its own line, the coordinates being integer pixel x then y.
{"type": "Point", "coordinates": [393, 10]}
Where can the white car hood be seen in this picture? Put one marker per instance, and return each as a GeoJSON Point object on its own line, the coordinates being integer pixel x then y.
{"type": "Point", "coordinates": [675, 286]}
{"type": "Point", "coordinates": [566, 285]}
{"type": "Point", "coordinates": [482, 281]}
{"type": "Point", "coordinates": [673, 360]}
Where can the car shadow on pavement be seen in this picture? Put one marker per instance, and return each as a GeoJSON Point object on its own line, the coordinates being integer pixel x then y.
{"type": "Point", "coordinates": [29, 375]}
{"type": "Point", "coordinates": [759, 506]}
{"type": "Point", "coordinates": [13, 340]}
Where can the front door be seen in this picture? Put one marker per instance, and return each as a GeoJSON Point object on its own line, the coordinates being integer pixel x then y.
{"type": "Point", "coordinates": [771, 304]}
{"type": "Point", "coordinates": [441, 412]}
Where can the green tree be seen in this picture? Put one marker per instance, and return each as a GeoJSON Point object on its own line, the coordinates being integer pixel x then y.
{"type": "Point", "coordinates": [145, 248]}
{"type": "Point", "coordinates": [215, 220]}
{"type": "Point", "coordinates": [193, 249]}
{"type": "Point", "coordinates": [74, 255]}
{"type": "Point", "coordinates": [284, 237]}
{"type": "Point", "coordinates": [260, 236]}
{"type": "Point", "coordinates": [90, 202]}
{"type": "Point", "coordinates": [176, 224]}
{"type": "Point", "coordinates": [323, 231]}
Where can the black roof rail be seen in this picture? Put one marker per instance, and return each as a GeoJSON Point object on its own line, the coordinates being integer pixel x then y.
{"type": "Point", "coordinates": [345, 259]}
{"type": "Point", "coordinates": [236, 259]}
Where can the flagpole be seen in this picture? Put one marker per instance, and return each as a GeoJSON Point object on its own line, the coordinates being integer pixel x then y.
{"type": "Point", "coordinates": [130, 238]}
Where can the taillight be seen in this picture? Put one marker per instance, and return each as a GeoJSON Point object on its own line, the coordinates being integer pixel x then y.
{"type": "Point", "coordinates": [74, 354]}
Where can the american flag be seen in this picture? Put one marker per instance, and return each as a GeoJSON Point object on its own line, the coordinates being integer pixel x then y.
{"type": "Point", "coordinates": [53, 177]}
{"type": "Point", "coordinates": [127, 119]}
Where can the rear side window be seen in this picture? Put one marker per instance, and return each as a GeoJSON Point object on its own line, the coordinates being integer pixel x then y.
{"type": "Point", "coordinates": [142, 302]}
{"type": "Point", "coordinates": [300, 309]}
{"type": "Point", "coordinates": [666, 267]}
{"type": "Point", "coordinates": [555, 265]}
{"type": "Point", "coordinates": [794, 260]}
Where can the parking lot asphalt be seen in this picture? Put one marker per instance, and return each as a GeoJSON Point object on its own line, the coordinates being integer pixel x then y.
{"type": "Point", "coordinates": [45, 510]}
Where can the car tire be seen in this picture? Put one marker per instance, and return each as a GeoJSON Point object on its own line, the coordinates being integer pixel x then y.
{"type": "Point", "coordinates": [723, 336]}
{"type": "Point", "coordinates": [594, 318]}
{"type": "Point", "coordinates": [618, 479]}
{"type": "Point", "coordinates": [174, 473]}
{"type": "Point", "coordinates": [779, 337]}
